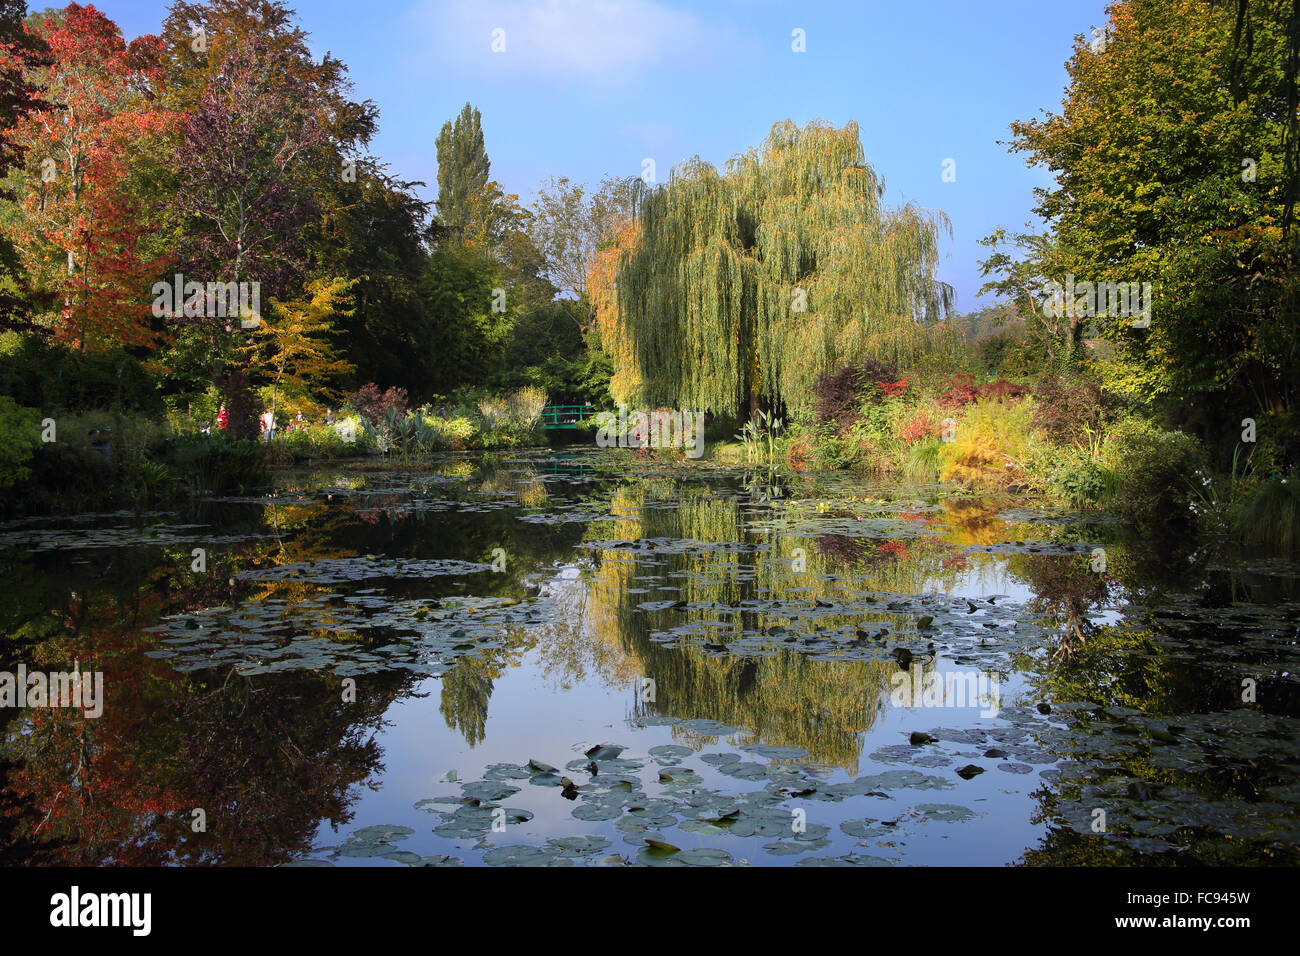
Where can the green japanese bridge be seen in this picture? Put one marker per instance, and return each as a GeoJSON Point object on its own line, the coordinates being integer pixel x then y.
{"type": "Point", "coordinates": [566, 416]}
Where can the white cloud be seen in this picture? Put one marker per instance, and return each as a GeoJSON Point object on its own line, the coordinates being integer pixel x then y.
{"type": "Point", "coordinates": [572, 39]}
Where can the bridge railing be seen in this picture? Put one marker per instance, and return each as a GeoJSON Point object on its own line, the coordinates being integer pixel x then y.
{"type": "Point", "coordinates": [566, 416]}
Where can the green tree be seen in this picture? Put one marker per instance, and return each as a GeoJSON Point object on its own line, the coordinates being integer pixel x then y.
{"type": "Point", "coordinates": [568, 224]}
{"type": "Point", "coordinates": [373, 233]}
{"type": "Point", "coordinates": [462, 290]}
{"type": "Point", "coordinates": [1020, 266]}
{"type": "Point", "coordinates": [751, 283]}
{"type": "Point", "coordinates": [1170, 164]}
{"type": "Point", "coordinates": [463, 176]}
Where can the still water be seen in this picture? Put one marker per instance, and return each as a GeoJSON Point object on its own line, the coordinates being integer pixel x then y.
{"type": "Point", "coordinates": [591, 659]}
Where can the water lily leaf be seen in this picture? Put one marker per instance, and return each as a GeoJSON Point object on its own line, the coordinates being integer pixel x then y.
{"type": "Point", "coordinates": [704, 857]}
{"type": "Point", "coordinates": [403, 856]}
{"type": "Point", "coordinates": [520, 856]}
{"type": "Point", "coordinates": [944, 812]}
{"type": "Point", "coordinates": [660, 846]}
{"type": "Point", "coordinates": [383, 834]}
{"type": "Point", "coordinates": [670, 750]}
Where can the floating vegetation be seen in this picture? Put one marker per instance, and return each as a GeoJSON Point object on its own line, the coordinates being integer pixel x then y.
{"type": "Point", "coordinates": [342, 570]}
{"type": "Point", "coordinates": [693, 671]}
{"type": "Point", "coordinates": [348, 635]}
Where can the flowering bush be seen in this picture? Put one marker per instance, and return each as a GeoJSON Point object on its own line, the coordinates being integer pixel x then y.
{"type": "Point", "coordinates": [320, 441]}
{"type": "Point", "coordinates": [524, 409]}
{"type": "Point", "coordinates": [348, 428]}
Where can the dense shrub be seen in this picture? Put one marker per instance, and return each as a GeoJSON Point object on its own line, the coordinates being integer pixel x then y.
{"type": "Point", "coordinates": [20, 437]}
{"type": "Point", "coordinates": [1081, 478]}
{"type": "Point", "coordinates": [67, 478]}
{"type": "Point", "coordinates": [524, 409]}
{"type": "Point", "coordinates": [961, 390]}
{"type": "Point", "coordinates": [1065, 411]}
{"type": "Point", "coordinates": [457, 432]}
{"type": "Point", "coordinates": [830, 449]}
{"type": "Point", "coordinates": [1154, 469]}
{"type": "Point", "coordinates": [486, 423]}
{"type": "Point", "coordinates": [216, 462]}
{"type": "Point", "coordinates": [373, 405]}
{"type": "Point", "coordinates": [45, 375]}
{"type": "Point", "coordinates": [509, 421]}
{"type": "Point", "coordinates": [318, 441]}
{"type": "Point", "coordinates": [1000, 352]}
{"type": "Point", "coordinates": [98, 460]}
{"type": "Point", "coordinates": [838, 395]}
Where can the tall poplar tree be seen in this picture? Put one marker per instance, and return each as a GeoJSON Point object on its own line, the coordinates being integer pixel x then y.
{"type": "Point", "coordinates": [463, 170]}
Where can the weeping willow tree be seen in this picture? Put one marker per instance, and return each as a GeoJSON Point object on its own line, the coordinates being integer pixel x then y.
{"type": "Point", "coordinates": [744, 286]}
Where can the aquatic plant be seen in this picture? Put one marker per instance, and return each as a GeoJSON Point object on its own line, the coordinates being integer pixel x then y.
{"type": "Point", "coordinates": [216, 463]}
{"type": "Point", "coordinates": [760, 436]}
{"type": "Point", "coordinates": [1269, 520]}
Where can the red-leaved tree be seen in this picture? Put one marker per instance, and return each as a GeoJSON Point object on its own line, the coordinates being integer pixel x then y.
{"type": "Point", "coordinates": [86, 219]}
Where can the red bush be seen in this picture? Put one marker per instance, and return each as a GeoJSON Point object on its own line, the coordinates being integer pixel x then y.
{"type": "Point", "coordinates": [895, 389]}
{"type": "Point", "coordinates": [1002, 390]}
{"type": "Point", "coordinates": [373, 406]}
{"type": "Point", "coordinates": [962, 391]}
{"type": "Point", "coordinates": [919, 426]}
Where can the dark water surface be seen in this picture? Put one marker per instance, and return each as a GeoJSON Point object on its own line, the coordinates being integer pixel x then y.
{"type": "Point", "coordinates": [587, 659]}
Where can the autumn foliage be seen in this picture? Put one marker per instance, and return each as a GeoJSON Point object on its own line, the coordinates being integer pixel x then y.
{"type": "Point", "coordinates": [85, 233]}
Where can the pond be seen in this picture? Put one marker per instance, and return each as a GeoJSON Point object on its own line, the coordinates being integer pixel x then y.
{"type": "Point", "coordinates": [588, 658]}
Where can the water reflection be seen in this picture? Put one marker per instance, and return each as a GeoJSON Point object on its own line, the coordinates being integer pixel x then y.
{"type": "Point", "coordinates": [777, 607]}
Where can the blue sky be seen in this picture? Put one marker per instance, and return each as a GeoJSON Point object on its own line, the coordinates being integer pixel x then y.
{"type": "Point", "coordinates": [588, 88]}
